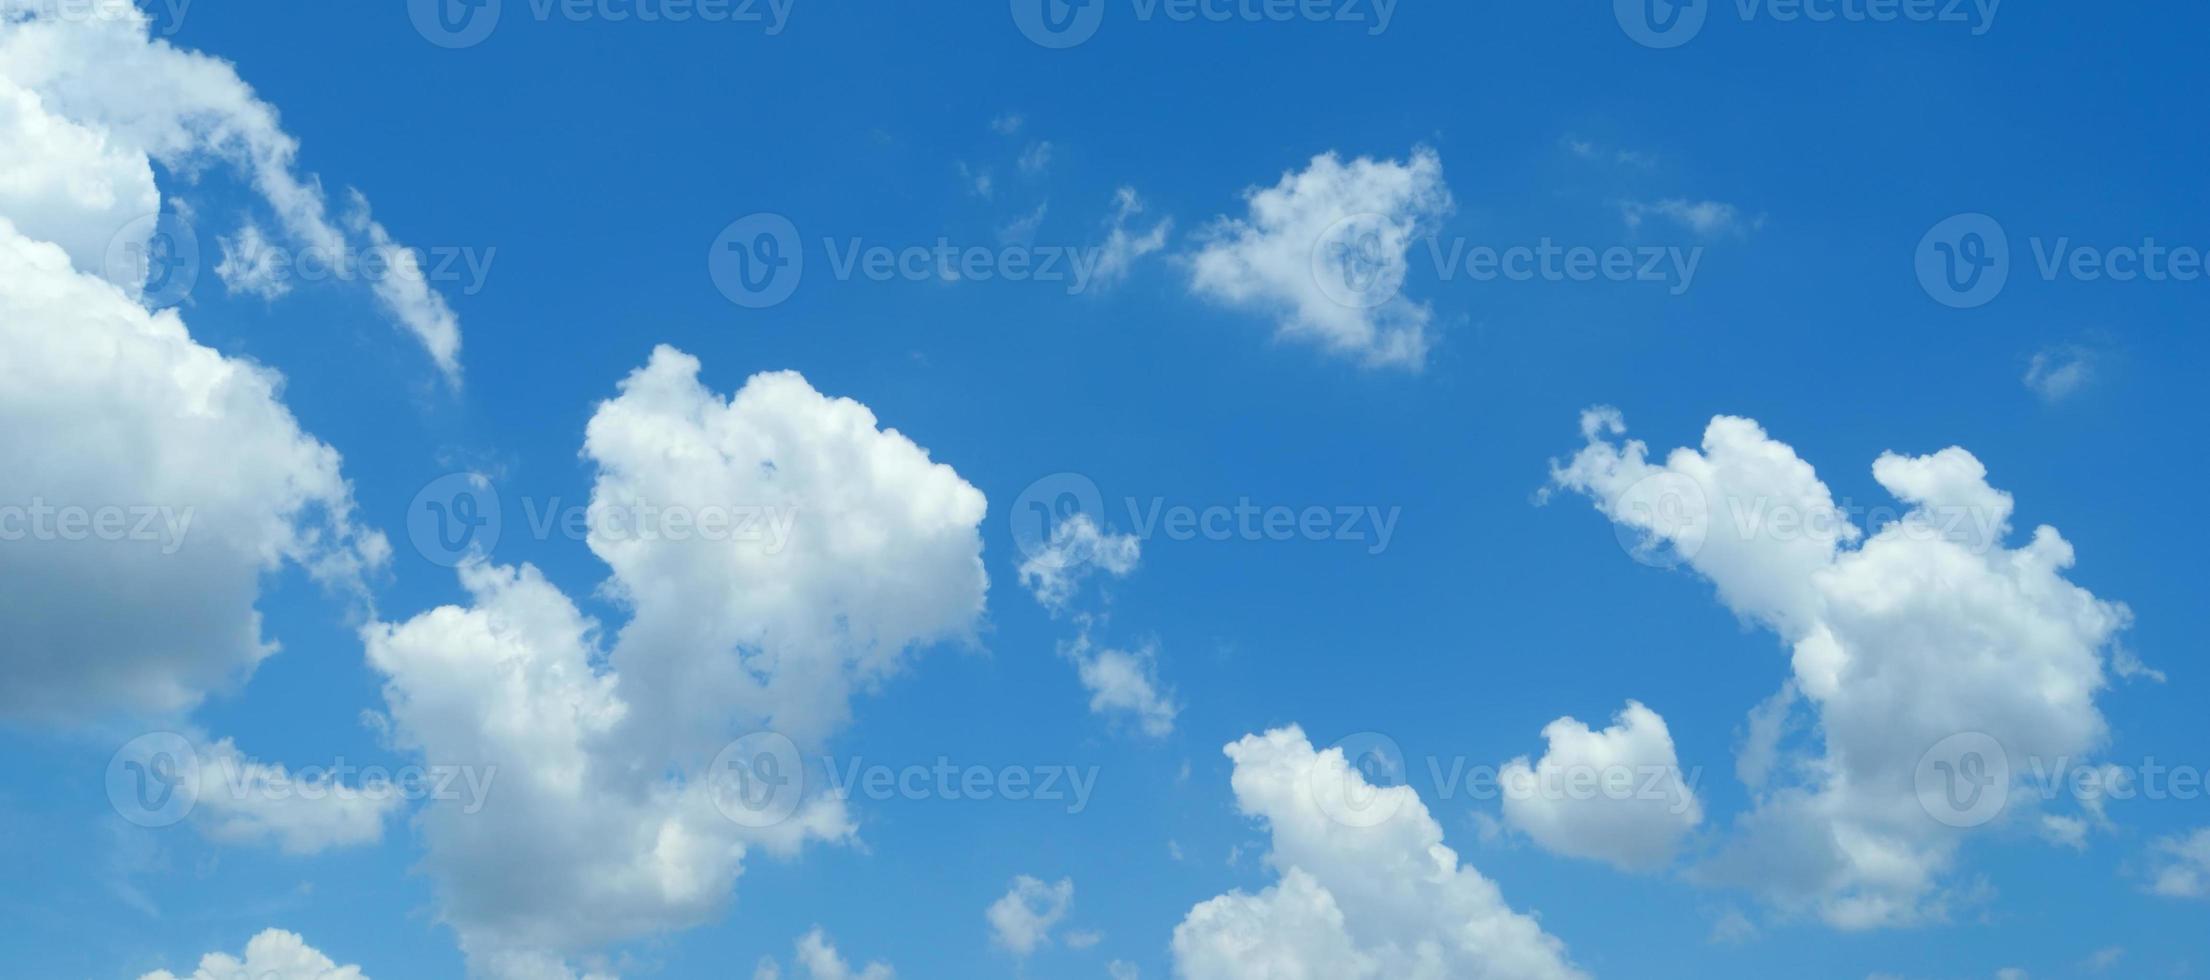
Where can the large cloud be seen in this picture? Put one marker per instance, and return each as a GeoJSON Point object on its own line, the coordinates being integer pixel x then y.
{"type": "Point", "coordinates": [110, 412]}
{"type": "Point", "coordinates": [613, 818]}
{"type": "Point", "coordinates": [1614, 795]}
{"type": "Point", "coordinates": [1365, 892]}
{"type": "Point", "coordinates": [1931, 636]}
{"type": "Point", "coordinates": [132, 567]}
{"type": "Point", "coordinates": [1325, 251]}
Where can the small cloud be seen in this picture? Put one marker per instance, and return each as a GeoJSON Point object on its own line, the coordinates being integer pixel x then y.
{"type": "Point", "coordinates": [1023, 919]}
{"type": "Point", "coordinates": [1732, 928]}
{"type": "Point", "coordinates": [2103, 959]}
{"type": "Point", "coordinates": [1036, 158]}
{"type": "Point", "coordinates": [2056, 373]}
{"type": "Point", "coordinates": [1007, 124]}
{"type": "Point", "coordinates": [979, 183]}
{"type": "Point", "coordinates": [1706, 218]}
{"type": "Point", "coordinates": [1022, 230]}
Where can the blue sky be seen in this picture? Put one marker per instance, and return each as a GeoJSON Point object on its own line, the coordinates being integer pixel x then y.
{"type": "Point", "coordinates": [589, 167]}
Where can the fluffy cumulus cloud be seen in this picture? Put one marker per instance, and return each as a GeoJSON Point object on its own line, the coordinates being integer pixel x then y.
{"type": "Point", "coordinates": [1615, 795]}
{"type": "Point", "coordinates": [1367, 888]}
{"type": "Point", "coordinates": [2180, 865]}
{"type": "Point", "coordinates": [101, 101]}
{"type": "Point", "coordinates": [129, 578]}
{"type": "Point", "coordinates": [816, 958]}
{"type": "Point", "coordinates": [1325, 251]}
{"type": "Point", "coordinates": [1928, 635]}
{"type": "Point", "coordinates": [88, 106]}
{"type": "Point", "coordinates": [272, 955]}
{"type": "Point", "coordinates": [1021, 921]}
{"type": "Point", "coordinates": [618, 811]}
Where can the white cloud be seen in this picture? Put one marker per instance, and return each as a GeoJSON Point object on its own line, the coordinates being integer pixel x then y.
{"type": "Point", "coordinates": [272, 955]}
{"type": "Point", "coordinates": [2058, 372]}
{"type": "Point", "coordinates": [130, 100]}
{"type": "Point", "coordinates": [816, 955]}
{"type": "Point", "coordinates": [250, 264]}
{"type": "Point", "coordinates": [611, 817]}
{"type": "Point", "coordinates": [151, 615]}
{"type": "Point", "coordinates": [2180, 865]}
{"type": "Point", "coordinates": [1705, 218]}
{"type": "Point", "coordinates": [1125, 682]}
{"type": "Point", "coordinates": [1325, 252]}
{"type": "Point", "coordinates": [1122, 247]}
{"type": "Point", "coordinates": [1036, 159]}
{"type": "Point", "coordinates": [244, 801]}
{"type": "Point", "coordinates": [1930, 628]}
{"type": "Point", "coordinates": [1077, 547]}
{"type": "Point", "coordinates": [1614, 795]}
{"type": "Point", "coordinates": [1022, 920]}
{"type": "Point", "coordinates": [1365, 892]}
